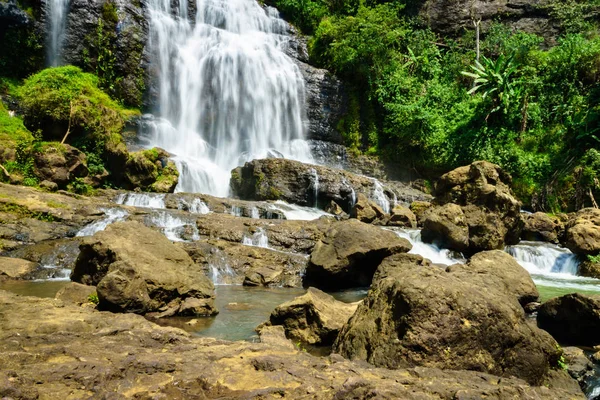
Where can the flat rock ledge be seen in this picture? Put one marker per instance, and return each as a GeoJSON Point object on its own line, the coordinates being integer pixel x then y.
{"type": "Point", "coordinates": [53, 350]}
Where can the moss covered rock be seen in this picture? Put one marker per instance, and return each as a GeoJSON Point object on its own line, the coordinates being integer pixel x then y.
{"type": "Point", "coordinates": [151, 170]}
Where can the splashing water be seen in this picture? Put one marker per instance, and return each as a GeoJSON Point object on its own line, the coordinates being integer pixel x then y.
{"type": "Point", "coordinates": [258, 239]}
{"type": "Point", "coordinates": [315, 185]}
{"type": "Point", "coordinates": [379, 196]}
{"type": "Point", "coordinates": [174, 228]}
{"type": "Point", "coordinates": [295, 212]}
{"type": "Point", "coordinates": [236, 211]}
{"type": "Point", "coordinates": [144, 200]}
{"type": "Point", "coordinates": [111, 215]}
{"type": "Point", "coordinates": [430, 251]}
{"type": "Point", "coordinates": [197, 206]}
{"type": "Point", "coordinates": [254, 213]}
{"type": "Point", "coordinates": [227, 91]}
{"type": "Point", "coordinates": [56, 12]}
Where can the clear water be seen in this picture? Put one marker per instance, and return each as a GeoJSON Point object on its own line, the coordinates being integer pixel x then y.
{"type": "Point", "coordinates": [227, 91]}
{"type": "Point", "coordinates": [56, 12]}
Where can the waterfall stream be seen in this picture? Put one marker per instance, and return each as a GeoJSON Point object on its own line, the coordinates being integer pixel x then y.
{"type": "Point", "coordinates": [56, 17]}
{"type": "Point", "coordinates": [227, 91]}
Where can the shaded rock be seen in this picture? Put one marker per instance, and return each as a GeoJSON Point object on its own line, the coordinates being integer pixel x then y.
{"type": "Point", "coordinates": [578, 365]}
{"type": "Point", "coordinates": [44, 340]}
{"type": "Point", "coordinates": [582, 232]}
{"type": "Point", "coordinates": [589, 269]}
{"type": "Point", "coordinates": [314, 318]}
{"type": "Point", "coordinates": [137, 269]}
{"type": "Point", "coordinates": [77, 293]}
{"type": "Point", "coordinates": [349, 253]}
{"type": "Point", "coordinates": [541, 227]}
{"type": "Point", "coordinates": [16, 268]}
{"type": "Point", "coordinates": [366, 210]}
{"type": "Point", "coordinates": [419, 208]}
{"type": "Point", "coordinates": [419, 314]}
{"type": "Point", "coordinates": [307, 185]}
{"type": "Point", "coordinates": [60, 252]}
{"type": "Point", "coordinates": [572, 319]}
{"type": "Point", "coordinates": [334, 209]}
{"type": "Point", "coordinates": [403, 217]}
{"type": "Point", "coordinates": [447, 227]}
{"type": "Point", "coordinates": [234, 263]}
{"type": "Point", "coordinates": [60, 164]}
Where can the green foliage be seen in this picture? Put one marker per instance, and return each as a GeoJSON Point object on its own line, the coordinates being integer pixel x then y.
{"type": "Point", "coordinates": [57, 98]}
{"type": "Point", "coordinates": [93, 298]}
{"type": "Point", "coordinates": [307, 14]}
{"type": "Point", "coordinates": [79, 186]}
{"type": "Point", "coordinates": [22, 51]}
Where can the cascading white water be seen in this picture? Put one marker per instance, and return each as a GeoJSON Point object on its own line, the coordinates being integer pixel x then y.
{"type": "Point", "coordinates": [145, 200]}
{"type": "Point", "coordinates": [220, 272]}
{"type": "Point", "coordinates": [254, 213]}
{"type": "Point", "coordinates": [315, 185]}
{"type": "Point", "coordinates": [430, 251]}
{"type": "Point", "coordinates": [197, 206]}
{"type": "Point", "coordinates": [227, 91]}
{"type": "Point", "coordinates": [56, 17]}
{"type": "Point", "coordinates": [175, 228]}
{"type": "Point", "coordinates": [379, 196]}
{"type": "Point", "coordinates": [111, 215]}
{"type": "Point", "coordinates": [258, 239]}
{"type": "Point", "coordinates": [295, 212]}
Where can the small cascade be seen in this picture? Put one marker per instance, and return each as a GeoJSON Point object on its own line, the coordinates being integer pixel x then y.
{"type": "Point", "coordinates": [545, 259]}
{"type": "Point", "coordinates": [197, 206]}
{"type": "Point", "coordinates": [314, 183]}
{"type": "Point", "coordinates": [220, 272]}
{"type": "Point", "coordinates": [258, 239]}
{"type": "Point", "coordinates": [144, 200]}
{"type": "Point", "coordinates": [174, 228]}
{"type": "Point", "coordinates": [429, 251]}
{"type": "Point", "coordinates": [236, 211]}
{"type": "Point", "coordinates": [55, 273]}
{"type": "Point", "coordinates": [56, 12]}
{"type": "Point", "coordinates": [111, 215]}
{"type": "Point", "coordinates": [295, 212]}
{"type": "Point", "coordinates": [254, 213]}
{"type": "Point", "coordinates": [379, 196]}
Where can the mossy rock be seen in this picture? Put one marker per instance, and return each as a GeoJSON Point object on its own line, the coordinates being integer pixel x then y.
{"type": "Point", "coordinates": [589, 269]}
{"type": "Point", "coordinates": [151, 170]}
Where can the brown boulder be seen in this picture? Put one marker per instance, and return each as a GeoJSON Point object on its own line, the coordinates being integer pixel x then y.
{"type": "Point", "coordinates": [366, 210]}
{"type": "Point", "coordinates": [572, 319]}
{"type": "Point", "coordinates": [60, 163]}
{"type": "Point", "coordinates": [314, 318]}
{"type": "Point", "coordinates": [349, 253]}
{"type": "Point", "coordinates": [402, 216]}
{"type": "Point", "coordinates": [541, 227]}
{"type": "Point", "coordinates": [137, 269]}
{"type": "Point", "coordinates": [77, 293]}
{"type": "Point", "coordinates": [16, 268]}
{"type": "Point", "coordinates": [447, 227]}
{"type": "Point", "coordinates": [417, 314]}
{"type": "Point", "coordinates": [582, 234]}
{"type": "Point", "coordinates": [589, 269]}
{"type": "Point", "coordinates": [419, 208]}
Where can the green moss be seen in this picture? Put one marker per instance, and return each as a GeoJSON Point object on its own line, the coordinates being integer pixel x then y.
{"type": "Point", "coordinates": [151, 154]}
{"type": "Point", "coordinates": [55, 204]}
{"type": "Point", "coordinates": [12, 129]}
{"type": "Point", "coordinates": [23, 212]}
{"type": "Point", "coordinates": [79, 186]}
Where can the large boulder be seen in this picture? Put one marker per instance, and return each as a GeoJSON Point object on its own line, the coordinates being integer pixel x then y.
{"type": "Point", "coordinates": [572, 319]}
{"type": "Point", "coordinates": [151, 170]}
{"type": "Point", "coordinates": [16, 268]}
{"type": "Point", "coordinates": [366, 210]}
{"type": "Point", "coordinates": [60, 164]}
{"type": "Point", "coordinates": [137, 269]}
{"type": "Point", "coordinates": [447, 227]}
{"type": "Point", "coordinates": [402, 216]}
{"type": "Point", "coordinates": [582, 232]}
{"type": "Point", "coordinates": [314, 318]}
{"type": "Point", "coordinates": [492, 213]}
{"type": "Point", "coordinates": [349, 253]}
{"type": "Point", "coordinates": [589, 268]}
{"type": "Point", "coordinates": [540, 226]}
{"type": "Point", "coordinates": [466, 317]}
{"type": "Point", "coordinates": [306, 184]}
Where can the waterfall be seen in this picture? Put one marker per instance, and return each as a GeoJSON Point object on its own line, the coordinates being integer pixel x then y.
{"type": "Point", "coordinates": [314, 182]}
{"type": "Point", "coordinates": [379, 196]}
{"type": "Point", "coordinates": [432, 252]}
{"type": "Point", "coordinates": [220, 272]}
{"type": "Point", "coordinates": [174, 228]}
{"type": "Point", "coordinates": [56, 17]}
{"type": "Point", "coordinates": [545, 259]}
{"type": "Point", "coordinates": [227, 91]}
{"type": "Point", "coordinates": [145, 200]}
{"type": "Point", "coordinates": [254, 213]}
{"type": "Point", "coordinates": [259, 239]}
{"type": "Point", "coordinates": [295, 212]}
{"type": "Point", "coordinates": [110, 216]}
{"type": "Point", "coordinates": [197, 206]}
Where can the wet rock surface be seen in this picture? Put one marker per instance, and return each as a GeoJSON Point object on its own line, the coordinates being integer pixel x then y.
{"type": "Point", "coordinates": [43, 340]}
{"type": "Point", "coordinates": [572, 319]}
{"type": "Point", "coordinates": [465, 317]}
{"type": "Point", "coordinates": [136, 269]}
{"type": "Point", "coordinates": [314, 318]}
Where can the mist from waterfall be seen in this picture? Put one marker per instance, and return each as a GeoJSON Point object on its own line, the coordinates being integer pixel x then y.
{"type": "Point", "coordinates": [56, 20]}
{"type": "Point", "coordinates": [227, 91]}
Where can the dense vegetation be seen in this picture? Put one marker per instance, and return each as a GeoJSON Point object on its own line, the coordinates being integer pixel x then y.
{"type": "Point", "coordinates": [534, 109]}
